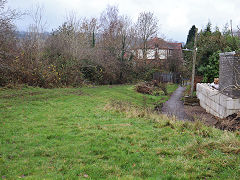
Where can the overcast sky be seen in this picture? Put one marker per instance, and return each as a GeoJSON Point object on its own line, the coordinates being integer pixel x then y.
{"type": "Point", "coordinates": [175, 16]}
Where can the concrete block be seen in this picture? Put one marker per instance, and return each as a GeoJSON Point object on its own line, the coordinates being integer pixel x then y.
{"type": "Point", "coordinates": [216, 109]}
{"type": "Point", "coordinates": [212, 94]}
{"type": "Point", "coordinates": [203, 98]}
{"type": "Point", "coordinates": [198, 94]}
{"type": "Point", "coordinates": [212, 97]}
{"type": "Point", "coordinates": [233, 104]}
{"type": "Point", "coordinates": [216, 103]}
{"type": "Point", "coordinates": [202, 104]}
{"type": "Point", "coordinates": [217, 98]}
{"type": "Point", "coordinates": [222, 112]}
{"type": "Point", "coordinates": [229, 112]}
{"type": "Point", "coordinates": [199, 87]}
{"type": "Point", "coordinates": [208, 101]}
{"type": "Point", "coordinates": [223, 100]}
{"type": "Point", "coordinates": [215, 106]}
{"type": "Point", "coordinates": [213, 112]}
{"type": "Point", "coordinates": [205, 91]}
{"type": "Point", "coordinates": [207, 108]}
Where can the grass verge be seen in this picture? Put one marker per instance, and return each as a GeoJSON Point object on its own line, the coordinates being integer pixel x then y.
{"type": "Point", "coordinates": [106, 132]}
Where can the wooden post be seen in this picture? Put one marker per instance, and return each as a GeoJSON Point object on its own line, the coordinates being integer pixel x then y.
{"type": "Point", "coordinates": [194, 61]}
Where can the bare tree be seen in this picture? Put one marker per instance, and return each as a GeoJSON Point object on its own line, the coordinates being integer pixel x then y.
{"type": "Point", "coordinates": [116, 40]}
{"type": "Point", "coordinates": [126, 35]}
{"type": "Point", "coordinates": [109, 20]}
{"type": "Point", "coordinates": [8, 42]}
{"type": "Point", "coordinates": [174, 61]}
{"type": "Point", "coordinates": [109, 43]}
{"type": "Point", "coordinates": [34, 42]}
{"type": "Point", "coordinates": [7, 28]}
{"type": "Point", "coordinates": [147, 26]}
{"type": "Point", "coordinates": [71, 38]}
{"type": "Point", "coordinates": [90, 27]}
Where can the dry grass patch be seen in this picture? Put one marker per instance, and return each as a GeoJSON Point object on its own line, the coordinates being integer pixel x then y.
{"type": "Point", "coordinates": [132, 111]}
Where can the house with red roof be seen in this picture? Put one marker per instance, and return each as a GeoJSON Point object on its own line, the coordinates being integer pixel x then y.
{"type": "Point", "coordinates": [159, 51]}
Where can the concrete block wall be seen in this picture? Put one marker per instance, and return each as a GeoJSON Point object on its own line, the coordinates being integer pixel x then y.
{"type": "Point", "coordinates": [215, 102]}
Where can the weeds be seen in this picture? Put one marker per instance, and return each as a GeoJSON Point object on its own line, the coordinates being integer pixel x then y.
{"type": "Point", "coordinates": [132, 111]}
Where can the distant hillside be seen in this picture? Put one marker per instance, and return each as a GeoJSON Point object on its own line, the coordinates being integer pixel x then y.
{"type": "Point", "coordinates": [22, 34]}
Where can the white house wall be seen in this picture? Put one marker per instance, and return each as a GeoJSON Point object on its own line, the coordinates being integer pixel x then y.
{"type": "Point", "coordinates": [151, 54]}
{"type": "Point", "coordinates": [140, 53]}
{"type": "Point", "coordinates": [162, 53]}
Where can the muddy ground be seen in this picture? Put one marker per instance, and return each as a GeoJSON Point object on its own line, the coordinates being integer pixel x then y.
{"type": "Point", "coordinates": [231, 123]}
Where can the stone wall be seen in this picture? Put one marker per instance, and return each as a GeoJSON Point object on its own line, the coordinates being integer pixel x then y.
{"type": "Point", "coordinates": [215, 102]}
{"type": "Point", "coordinates": [229, 73]}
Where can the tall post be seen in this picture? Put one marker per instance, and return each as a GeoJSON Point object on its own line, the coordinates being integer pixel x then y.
{"type": "Point", "coordinates": [194, 61]}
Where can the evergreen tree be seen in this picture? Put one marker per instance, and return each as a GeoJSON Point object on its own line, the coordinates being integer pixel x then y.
{"type": "Point", "coordinates": [208, 27]}
{"type": "Point", "coordinates": [210, 43]}
{"type": "Point", "coordinates": [190, 37]}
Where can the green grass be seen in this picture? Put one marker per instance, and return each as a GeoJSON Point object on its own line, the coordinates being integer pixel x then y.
{"type": "Point", "coordinates": [84, 133]}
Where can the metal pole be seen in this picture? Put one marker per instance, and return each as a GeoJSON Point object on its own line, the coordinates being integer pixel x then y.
{"type": "Point", "coordinates": [194, 61]}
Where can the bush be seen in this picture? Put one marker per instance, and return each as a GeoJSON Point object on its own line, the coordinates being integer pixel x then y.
{"type": "Point", "coordinates": [211, 70]}
{"type": "Point", "coordinates": [144, 88]}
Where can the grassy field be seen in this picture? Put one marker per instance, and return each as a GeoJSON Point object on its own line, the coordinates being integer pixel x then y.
{"type": "Point", "coordinates": [106, 132]}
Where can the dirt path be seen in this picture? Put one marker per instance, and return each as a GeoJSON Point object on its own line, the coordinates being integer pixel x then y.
{"type": "Point", "coordinates": [174, 106]}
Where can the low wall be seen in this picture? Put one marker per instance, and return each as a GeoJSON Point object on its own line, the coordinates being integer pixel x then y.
{"type": "Point", "coordinates": [215, 102]}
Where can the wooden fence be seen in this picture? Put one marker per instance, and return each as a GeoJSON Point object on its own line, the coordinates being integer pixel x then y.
{"type": "Point", "coordinates": [167, 77]}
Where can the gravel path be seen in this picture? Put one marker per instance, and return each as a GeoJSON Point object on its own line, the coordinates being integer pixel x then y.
{"type": "Point", "coordinates": [174, 106]}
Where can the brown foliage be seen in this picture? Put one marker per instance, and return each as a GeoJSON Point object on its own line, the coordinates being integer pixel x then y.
{"type": "Point", "coordinates": [144, 88]}
{"type": "Point", "coordinates": [151, 87]}
{"type": "Point", "coordinates": [231, 123]}
{"type": "Point", "coordinates": [79, 51]}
